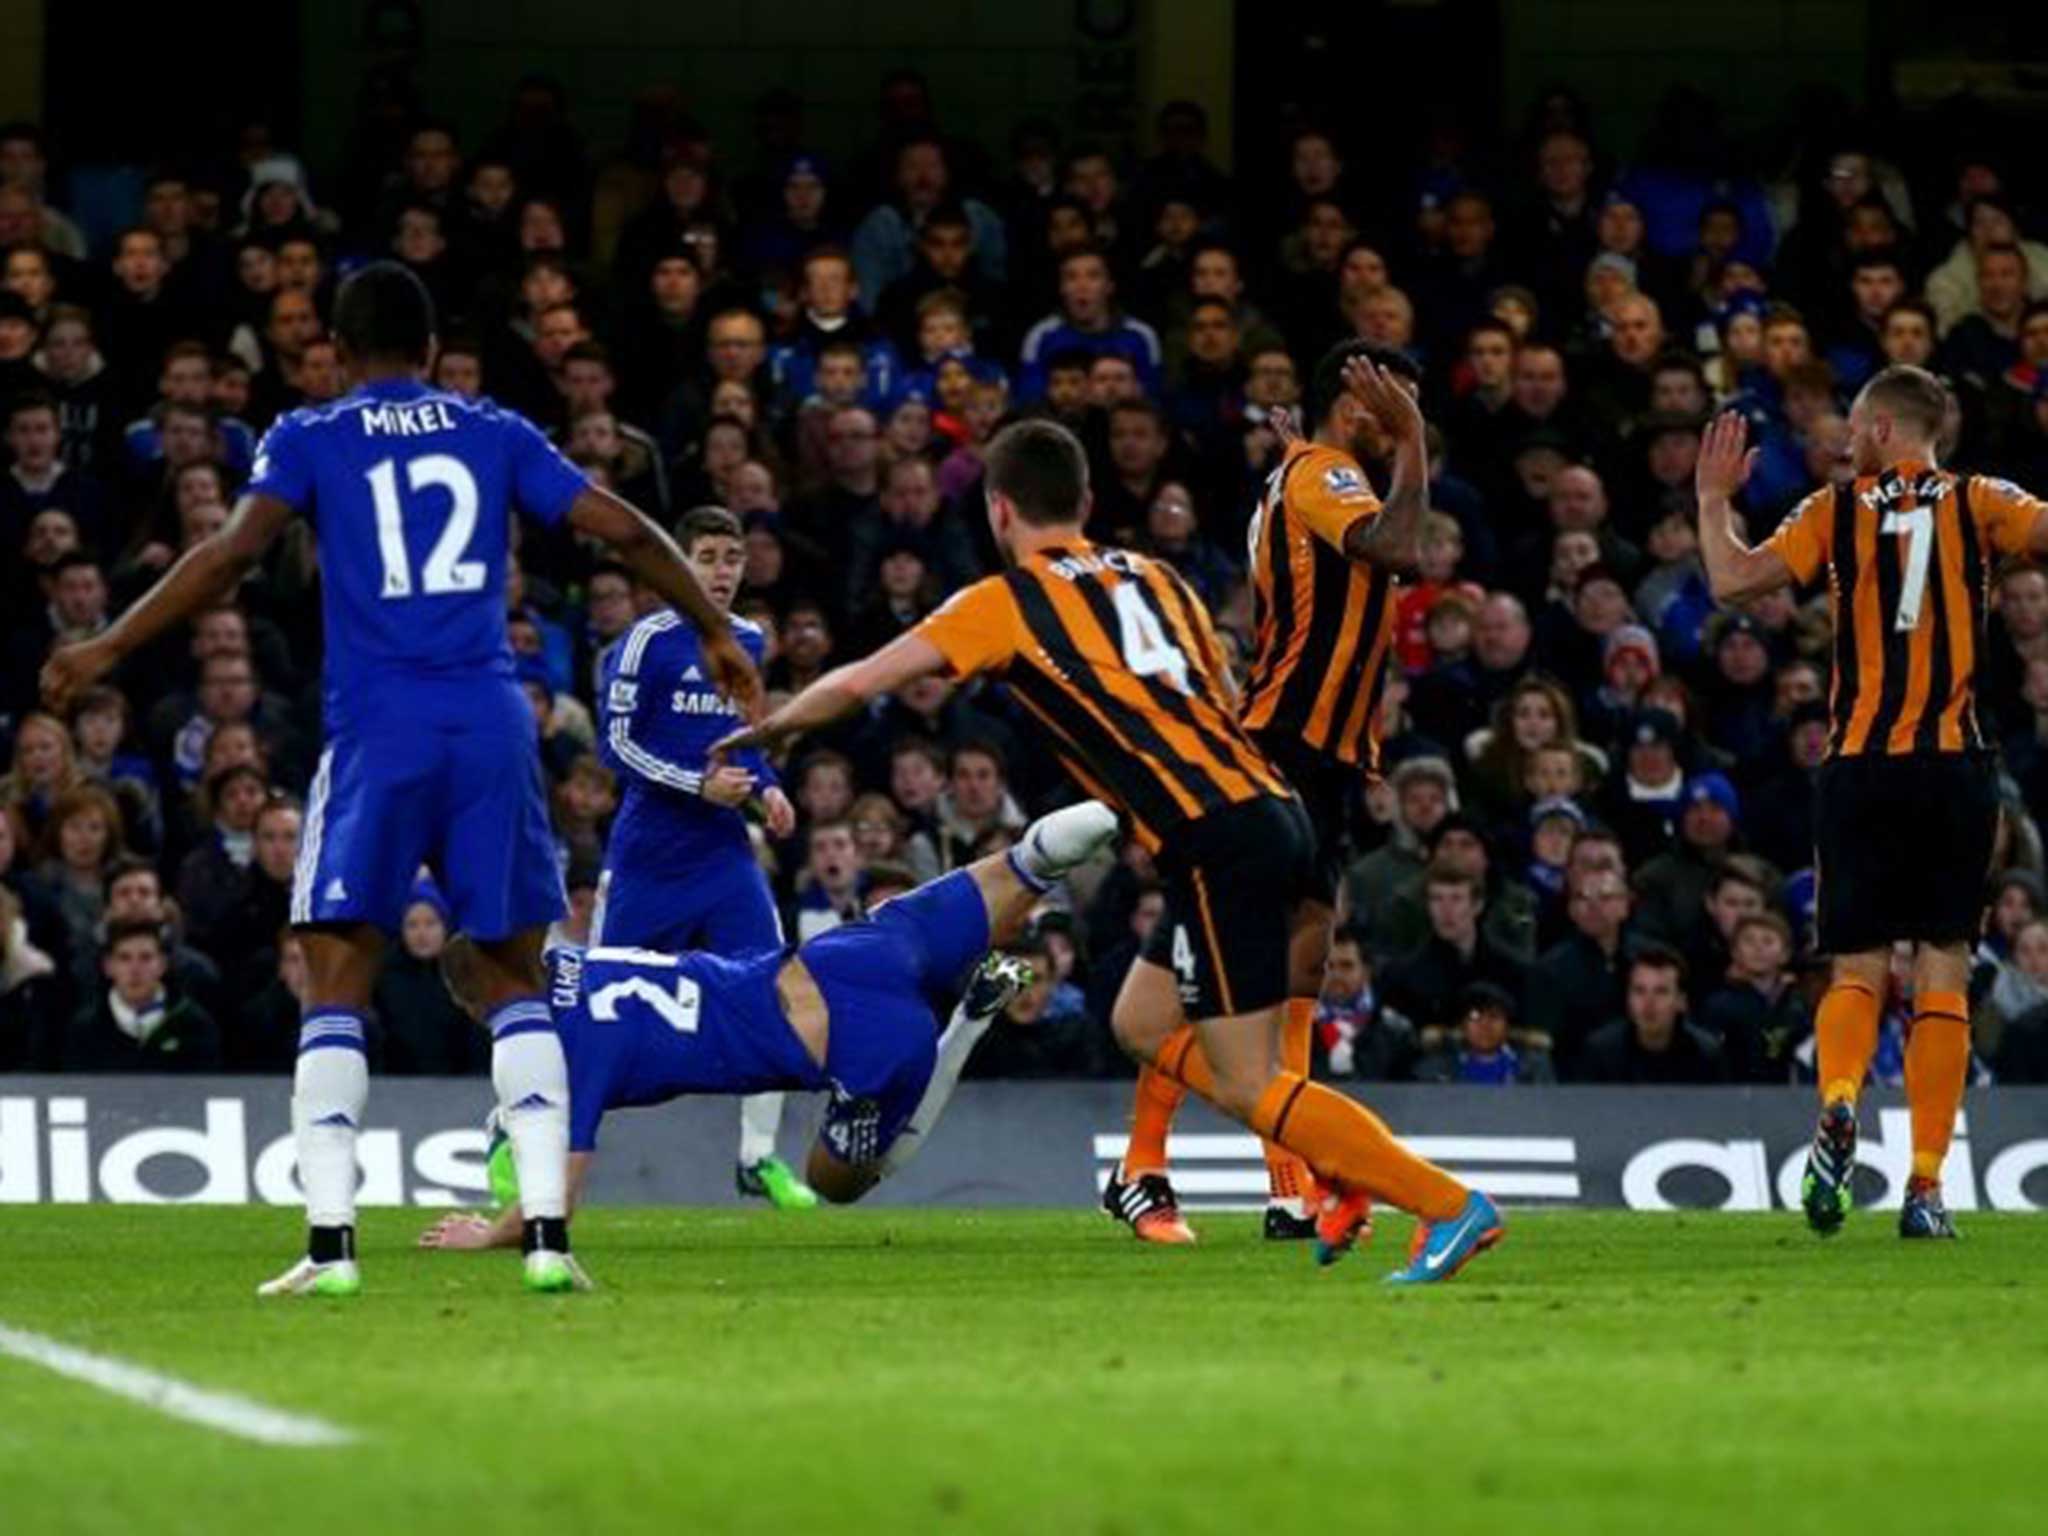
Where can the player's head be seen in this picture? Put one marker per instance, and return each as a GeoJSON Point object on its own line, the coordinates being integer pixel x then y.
{"type": "Point", "coordinates": [1899, 415]}
{"type": "Point", "coordinates": [1338, 416]}
{"type": "Point", "coordinates": [383, 316]}
{"type": "Point", "coordinates": [716, 548]}
{"type": "Point", "coordinates": [1037, 478]}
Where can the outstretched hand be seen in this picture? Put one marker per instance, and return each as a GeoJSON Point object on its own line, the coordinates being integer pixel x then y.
{"type": "Point", "coordinates": [458, 1229]}
{"type": "Point", "coordinates": [1725, 459]}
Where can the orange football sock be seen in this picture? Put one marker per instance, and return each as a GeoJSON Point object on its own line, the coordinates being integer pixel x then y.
{"type": "Point", "coordinates": [1845, 1036]}
{"type": "Point", "coordinates": [1287, 1176]}
{"type": "Point", "coordinates": [1937, 1066]}
{"type": "Point", "coordinates": [1152, 1111]}
{"type": "Point", "coordinates": [1345, 1143]}
{"type": "Point", "coordinates": [1350, 1146]}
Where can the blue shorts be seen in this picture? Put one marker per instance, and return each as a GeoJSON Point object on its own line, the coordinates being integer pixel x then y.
{"type": "Point", "coordinates": [718, 903]}
{"type": "Point", "coordinates": [883, 1038]}
{"type": "Point", "coordinates": [453, 783]}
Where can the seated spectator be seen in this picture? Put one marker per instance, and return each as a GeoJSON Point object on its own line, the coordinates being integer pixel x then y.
{"type": "Point", "coordinates": [213, 878]}
{"type": "Point", "coordinates": [1580, 983]}
{"type": "Point", "coordinates": [1758, 1014]}
{"type": "Point", "coordinates": [45, 769]}
{"type": "Point", "coordinates": [912, 514]}
{"type": "Point", "coordinates": [1424, 793]}
{"type": "Point", "coordinates": [1480, 1049]}
{"type": "Point", "coordinates": [1356, 1034]}
{"type": "Point", "coordinates": [242, 939]}
{"type": "Point", "coordinates": [1173, 534]}
{"type": "Point", "coordinates": [31, 991]}
{"type": "Point", "coordinates": [1671, 887]}
{"type": "Point", "coordinates": [977, 801]}
{"type": "Point", "coordinates": [423, 1033]}
{"type": "Point", "coordinates": [1087, 320]}
{"type": "Point", "coordinates": [264, 1035]}
{"type": "Point", "coordinates": [1652, 1044]}
{"type": "Point", "coordinates": [829, 886]}
{"type": "Point", "coordinates": [139, 1023]}
{"type": "Point", "coordinates": [2019, 983]}
{"type": "Point", "coordinates": [830, 313]}
{"type": "Point", "coordinates": [1535, 713]}
{"type": "Point", "coordinates": [1425, 982]}
{"type": "Point", "coordinates": [885, 241]}
{"type": "Point", "coordinates": [38, 479]}
{"type": "Point", "coordinates": [584, 803]}
{"type": "Point", "coordinates": [80, 842]}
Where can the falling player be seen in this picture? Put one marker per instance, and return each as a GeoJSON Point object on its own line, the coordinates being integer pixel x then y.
{"type": "Point", "coordinates": [1906, 808]}
{"type": "Point", "coordinates": [680, 872]}
{"type": "Point", "coordinates": [1115, 658]}
{"type": "Point", "coordinates": [847, 1012]}
{"type": "Point", "coordinates": [1324, 551]}
{"type": "Point", "coordinates": [431, 755]}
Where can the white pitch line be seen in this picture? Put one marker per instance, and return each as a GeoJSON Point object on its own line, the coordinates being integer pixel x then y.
{"type": "Point", "coordinates": [225, 1411]}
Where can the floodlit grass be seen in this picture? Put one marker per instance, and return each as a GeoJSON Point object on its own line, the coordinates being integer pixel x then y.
{"type": "Point", "coordinates": [916, 1371]}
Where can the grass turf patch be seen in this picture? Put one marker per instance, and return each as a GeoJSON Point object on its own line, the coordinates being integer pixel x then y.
{"type": "Point", "coordinates": [1039, 1371]}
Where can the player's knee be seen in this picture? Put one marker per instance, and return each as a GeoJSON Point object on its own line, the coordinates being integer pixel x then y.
{"type": "Point", "coordinates": [836, 1182]}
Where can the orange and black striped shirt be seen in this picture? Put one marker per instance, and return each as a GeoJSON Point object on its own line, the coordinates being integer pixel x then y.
{"type": "Point", "coordinates": [1325, 622]}
{"type": "Point", "coordinates": [1115, 656]}
{"type": "Point", "coordinates": [1909, 556]}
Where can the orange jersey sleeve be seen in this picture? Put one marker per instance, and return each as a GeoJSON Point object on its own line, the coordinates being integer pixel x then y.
{"type": "Point", "coordinates": [1804, 540]}
{"type": "Point", "coordinates": [2006, 513]}
{"type": "Point", "coordinates": [1329, 492]}
{"type": "Point", "coordinates": [977, 628]}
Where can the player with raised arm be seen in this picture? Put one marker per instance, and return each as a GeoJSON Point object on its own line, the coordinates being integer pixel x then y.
{"type": "Point", "coordinates": [846, 1013]}
{"type": "Point", "coordinates": [1115, 658]}
{"type": "Point", "coordinates": [1906, 809]}
{"type": "Point", "coordinates": [430, 753]}
{"type": "Point", "coordinates": [679, 871]}
{"type": "Point", "coordinates": [1324, 552]}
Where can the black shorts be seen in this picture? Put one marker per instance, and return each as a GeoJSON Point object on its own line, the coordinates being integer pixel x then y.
{"type": "Point", "coordinates": [1329, 793]}
{"type": "Point", "coordinates": [1233, 880]}
{"type": "Point", "coordinates": [1903, 847]}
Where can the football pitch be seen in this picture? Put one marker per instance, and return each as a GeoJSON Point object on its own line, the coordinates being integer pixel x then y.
{"type": "Point", "coordinates": [887, 1370]}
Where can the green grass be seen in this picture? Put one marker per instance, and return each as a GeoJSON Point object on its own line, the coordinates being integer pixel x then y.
{"type": "Point", "coordinates": [928, 1371]}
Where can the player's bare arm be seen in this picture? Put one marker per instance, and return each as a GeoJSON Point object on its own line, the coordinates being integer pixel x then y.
{"type": "Point", "coordinates": [1735, 570]}
{"type": "Point", "coordinates": [205, 576]}
{"type": "Point", "coordinates": [841, 691]}
{"type": "Point", "coordinates": [646, 550]}
{"type": "Point", "coordinates": [1394, 538]}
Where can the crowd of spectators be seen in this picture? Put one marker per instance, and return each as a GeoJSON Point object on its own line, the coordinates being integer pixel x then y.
{"type": "Point", "coordinates": [1589, 857]}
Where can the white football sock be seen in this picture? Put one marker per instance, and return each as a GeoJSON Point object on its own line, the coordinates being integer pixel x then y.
{"type": "Point", "coordinates": [760, 1119]}
{"type": "Point", "coordinates": [1055, 843]}
{"type": "Point", "coordinates": [532, 1078]}
{"type": "Point", "coordinates": [963, 1032]}
{"type": "Point", "coordinates": [330, 1086]}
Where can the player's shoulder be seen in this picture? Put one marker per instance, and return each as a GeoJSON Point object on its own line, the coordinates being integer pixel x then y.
{"type": "Point", "coordinates": [745, 629]}
{"type": "Point", "coordinates": [662, 629]}
{"type": "Point", "coordinates": [1314, 467]}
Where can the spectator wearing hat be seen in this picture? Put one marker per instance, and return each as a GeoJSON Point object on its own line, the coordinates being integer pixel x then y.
{"type": "Point", "coordinates": [140, 1022]}
{"type": "Point", "coordinates": [1554, 822]}
{"type": "Point", "coordinates": [1425, 792]}
{"type": "Point", "coordinates": [1671, 888]}
{"type": "Point", "coordinates": [1758, 1013]}
{"type": "Point", "coordinates": [1780, 791]}
{"type": "Point", "coordinates": [1629, 663]}
{"type": "Point", "coordinates": [423, 1033]}
{"type": "Point", "coordinates": [1480, 1047]}
{"type": "Point", "coordinates": [1426, 982]}
{"type": "Point", "coordinates": [1740, 691]}
{"type": "Point", "coordinates": [1652, 1044]}
{"type": "Point", "coordinates": [1356, 1034]}
{"type": "Point", "coordinates": [802, 217]}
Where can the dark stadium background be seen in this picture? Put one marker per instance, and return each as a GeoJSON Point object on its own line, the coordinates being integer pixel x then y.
{"type": "Point", "coordinates": [1420, 99]}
